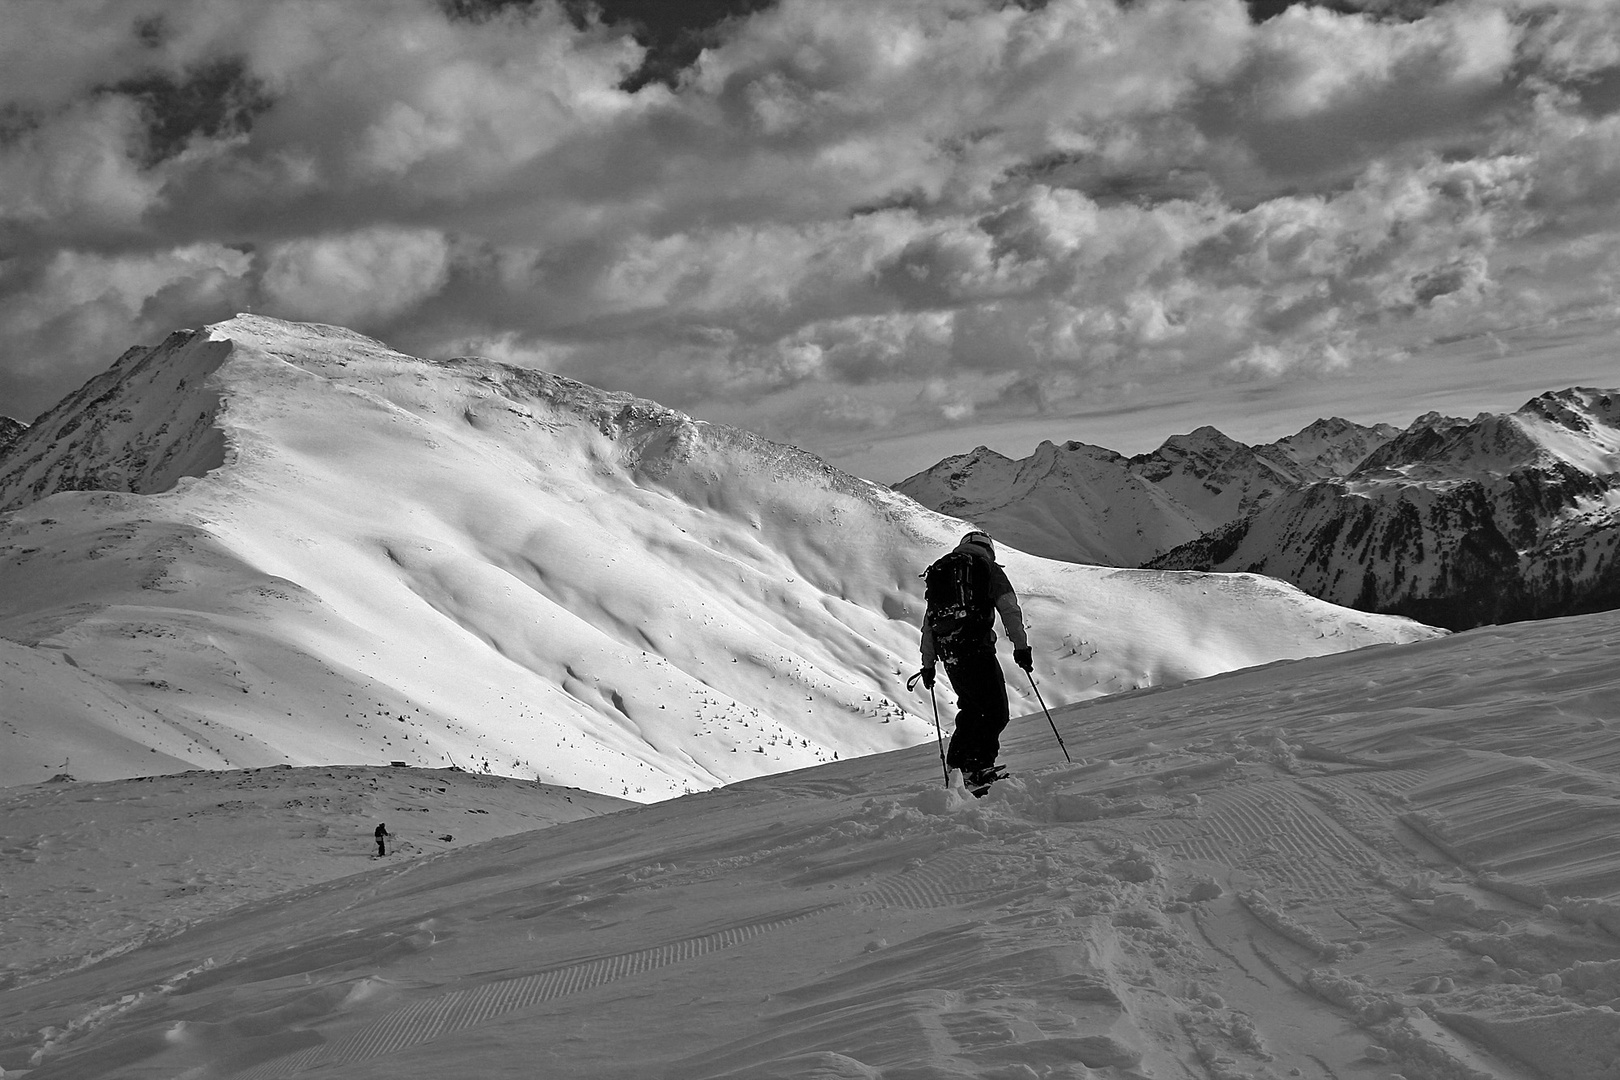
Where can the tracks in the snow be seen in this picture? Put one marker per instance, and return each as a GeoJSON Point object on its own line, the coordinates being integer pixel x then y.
{"type": "Point", "coordinates": [458, 1010]}
{"type": "Point", "coordinates": [1277, 827]}
{"type": "Point", "coordinates": [948, 881]}
{"type": "Point", "coordinates": [1283, 830]}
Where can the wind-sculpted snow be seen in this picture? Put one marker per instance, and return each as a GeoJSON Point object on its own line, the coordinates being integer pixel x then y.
{"type": "Point", "coordinates": [1397, 862]}
{"type": "Point", "coordinates": [370, 557]}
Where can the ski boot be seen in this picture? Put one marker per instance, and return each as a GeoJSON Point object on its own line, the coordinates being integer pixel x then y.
{"type": "Point", "coordinates": [978, 781]}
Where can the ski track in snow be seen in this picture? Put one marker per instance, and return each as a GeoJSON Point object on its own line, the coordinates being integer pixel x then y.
{"type": "Point", "coordinates": [1397, 862]}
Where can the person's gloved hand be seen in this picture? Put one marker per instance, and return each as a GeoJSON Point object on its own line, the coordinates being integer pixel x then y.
{"type": "Point", "coordinates": [1024, 658]}
{"type": "Point", "coordinates": [928, 677]}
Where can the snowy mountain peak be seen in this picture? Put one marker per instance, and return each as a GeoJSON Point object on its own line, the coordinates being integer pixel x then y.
{"type": "Point", "coordinates": [271, 543]}
{"type": "Point", "coordinates": [1332, 446]}
{"type": "Point", "coordinates": [1204, 439]}
{"type": "Point", "coordinates": [1575, 428]}
{"type": "Point", "coordinates": [139, 426]}
{"type": "Point", "coordinates": [1579, 426]}
{"type": "Point", "coordinates": [1456, 522]}
{"type": "Point", "coordinates": [1089, 504]}
{"type": "Point", "coordinates": [1577, 407]}
{"type": "Point", "coordinates": [1204, 451]}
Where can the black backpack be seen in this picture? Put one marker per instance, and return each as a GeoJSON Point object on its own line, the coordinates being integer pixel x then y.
{"type": "Point", "coordinates": [960, 611]}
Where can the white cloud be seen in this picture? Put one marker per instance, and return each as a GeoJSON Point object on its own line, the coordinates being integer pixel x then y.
{"type": "Point", "coordinates": [1010, 203]}
{"type": "Point", "coordinates": [75, 175]}
{"type": "Point", "coordinates": [357, 277]}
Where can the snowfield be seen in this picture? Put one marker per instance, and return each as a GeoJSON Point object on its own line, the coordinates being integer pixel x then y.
{"type": "Point", "coordinates": [1393, 862]}
{"type": "Point", "coordinates": [175, 849]}
{"type": "Point", "coordinates": [269, 543]}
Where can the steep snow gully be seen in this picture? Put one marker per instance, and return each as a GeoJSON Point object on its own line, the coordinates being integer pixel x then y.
{"type": "Point", "coordinates": [1395, 862]}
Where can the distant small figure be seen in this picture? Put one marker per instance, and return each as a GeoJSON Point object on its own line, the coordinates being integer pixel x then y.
{"type": "Point", "coordinates": [381, 833]}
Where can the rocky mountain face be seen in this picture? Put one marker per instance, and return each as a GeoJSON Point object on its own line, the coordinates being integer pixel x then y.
{"type": "Point", "coordinates": [10, 431]}
{"type": "Point", "coordinates": [1454, 522]}
{"type": "Point", "coordinates": [138, 426]}
{"type": "Point", "coordinates": [1087, 504]}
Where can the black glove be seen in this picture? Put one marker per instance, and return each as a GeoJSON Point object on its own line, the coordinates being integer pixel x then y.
{"type": "Point", "coordinates": [1024, 659]}
{"type": "Point", "coordinates": [927, 677]}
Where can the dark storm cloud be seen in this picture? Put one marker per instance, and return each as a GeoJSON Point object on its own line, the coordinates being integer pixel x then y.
{"type": "Point", "coordinates": [962, 206]}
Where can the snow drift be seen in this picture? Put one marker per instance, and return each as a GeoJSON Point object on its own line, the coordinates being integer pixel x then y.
{"type": "Point", "coordinates": [266, 543]}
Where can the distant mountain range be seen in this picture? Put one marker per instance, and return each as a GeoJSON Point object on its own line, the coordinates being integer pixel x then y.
{"type": "Point", "coordinates": [270, 543]}
{"type": "Point", "coordinates": [1458, 523]}
{"type": "Point", "coordinates": [1454, 522]}
{"type": "Point", "coordinates": [1087, 504]}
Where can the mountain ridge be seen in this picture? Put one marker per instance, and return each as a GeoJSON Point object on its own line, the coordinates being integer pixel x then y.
{"type": "Point", "coordinates": [1084, 503]}
{"type": "Point", "coordinates": [1455, 522]}
{"type": "Point", "coordinates": [379, 557]}
{"type": "Point", "coordinates": [1451, 521]}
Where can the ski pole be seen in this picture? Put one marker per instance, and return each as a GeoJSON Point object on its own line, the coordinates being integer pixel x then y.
{"type": "Point", "coordinates": [1049, 719]}
{"type": "Point", "coordinates": [938, 734]}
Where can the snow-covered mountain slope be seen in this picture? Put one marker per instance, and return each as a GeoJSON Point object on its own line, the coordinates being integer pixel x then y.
{"type": "Point", "coordinates": [1330, 447]}
{"type": "Point", "coordinates": [326, 551]}
{"type": "Point", "coordinates": [1085, 504]}
{"type": "Point", "coordinates": [178, 848]}
{"type": "Point", "coordinates": [1455, 522]}
{"type": "Point", "coordinates": [1387, 863]}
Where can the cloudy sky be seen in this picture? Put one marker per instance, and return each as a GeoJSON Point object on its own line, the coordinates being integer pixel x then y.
{"type": "Point", "coordinates": [885, 230]}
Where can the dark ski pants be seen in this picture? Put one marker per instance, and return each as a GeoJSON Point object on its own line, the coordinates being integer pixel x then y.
{"type": "Point", "coordinates": [981, 711]}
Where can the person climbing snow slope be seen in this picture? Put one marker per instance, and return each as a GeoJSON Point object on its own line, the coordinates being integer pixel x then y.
{"type": "Point", "coordinates": [965, 590]}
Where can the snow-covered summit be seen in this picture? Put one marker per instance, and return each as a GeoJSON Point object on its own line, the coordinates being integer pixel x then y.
{"type": "Point", "coordinates": [1088, 504]}
{"type": "Point", "coordinates": [1332, 446]}
{"type": "Point", "coordinates": [138, 426]}
{"type": "Point", "coordinates": [1575, 428]}
{"type": "Point", "coordinates": [265, 543]}
{"type": "Point", "coordinates": [1457, 522]}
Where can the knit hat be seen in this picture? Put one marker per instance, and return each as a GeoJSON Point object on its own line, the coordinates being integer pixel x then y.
{"type": "Point", "coordinates": [980, 538]}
